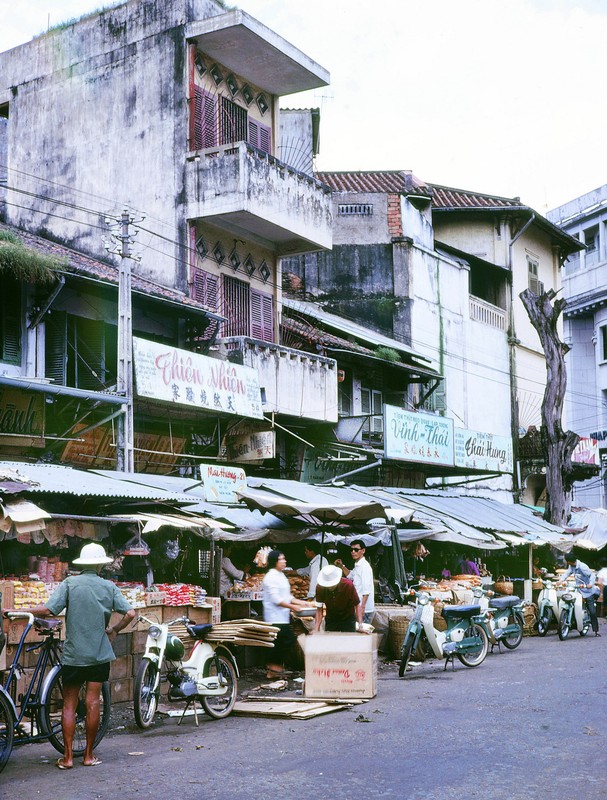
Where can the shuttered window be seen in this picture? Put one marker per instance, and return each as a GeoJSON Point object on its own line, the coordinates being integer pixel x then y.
{"type": "Point", "coordinates": [262, 317]}
{"type": "Point", "coordinates": [260, 136]}
{"type": "Point", "coordinates": [205, 290]}
{"type": "Point", "coordinates": [233, 127]}
{"type": "Point", "coordinates": [10, 320]}
{"type": "Point", "coordinates": [80, 352]}
{"type": "Point", "coordinates": [203, 120]}
{"type": "Point", "coordinates": [236, 307]}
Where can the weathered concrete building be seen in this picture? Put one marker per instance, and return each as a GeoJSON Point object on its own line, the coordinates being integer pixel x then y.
{"type": "Point", "coordinates": [585, 288]}
{"type": "Point", "coordinates": [170, 109]}
{"type": "Point", "coordinates": [440, 270]}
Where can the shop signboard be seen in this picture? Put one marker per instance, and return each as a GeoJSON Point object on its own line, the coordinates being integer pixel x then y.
{"type": "Point", "coordinates": [413, 436]}
{"type": "Point", "coordinates": [587, 452]}
{"type": "Point", "coordinates": [190, 379]}
{"type": "Point", "coordinates": [250, 446]}
{"type": "Point", "coordinates": [317, 466]}
{"type": "Point", "coordinates": [478, 450]}
{"type": "Point", "coordinates": [21, 418]}
{"type": "Point", "coordinates": [222, 482]}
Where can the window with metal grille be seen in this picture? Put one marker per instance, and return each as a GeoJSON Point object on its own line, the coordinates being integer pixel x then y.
{"type": "Point", "coordinates": [248, 312]}
{"type": "Point", "coordinates": [80, 352]}
{"type": "Point", "coordinates": [351, 209]}
{"type": "Point", "coordinates": [10, 320]}
{"type": "Point", "coordinates": [203, 120]}
{"type": "Point", "coordinates": [233, 122]}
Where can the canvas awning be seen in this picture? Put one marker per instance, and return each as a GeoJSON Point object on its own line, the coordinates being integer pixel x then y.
{"type": "Point", "coordinates": [153, 522]}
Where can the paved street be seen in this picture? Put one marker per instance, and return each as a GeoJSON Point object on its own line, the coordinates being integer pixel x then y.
{"type": "Point", "coordinates": [525, 724]}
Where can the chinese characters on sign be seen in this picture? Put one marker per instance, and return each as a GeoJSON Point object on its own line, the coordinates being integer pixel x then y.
{"type": "Point", "coordinates": [178, 376]}
{"type": "Point", "coordinates": [221, 483]}
{"type": "Point", "coordinates": [411, 436]}
{"type": "Point", "coordinates": [252, 446]}
{"type": "Point", "coordinates": [476, 450]}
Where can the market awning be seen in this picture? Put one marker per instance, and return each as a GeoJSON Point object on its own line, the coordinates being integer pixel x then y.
{"type": "Point", "coordinates": [593, 521]}
{"type": "Point", "coordinates": [21, 519]}
{"type": "Point", "coordinates": [153, 522]}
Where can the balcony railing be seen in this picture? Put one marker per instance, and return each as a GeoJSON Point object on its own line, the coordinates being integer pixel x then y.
{"type": "Point", "coordinates": [487, 314]}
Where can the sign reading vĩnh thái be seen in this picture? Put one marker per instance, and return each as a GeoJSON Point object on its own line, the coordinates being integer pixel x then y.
{"type": "Point", "coordinates": [477, 450]}
{"type": "Point", "coordinates": [178, 376]}
{"type": "Point", "coordinates": [413, 436]}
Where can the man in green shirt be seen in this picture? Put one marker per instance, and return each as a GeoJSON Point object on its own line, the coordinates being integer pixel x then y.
{"type": "Point", "coordinates": [88, 601]}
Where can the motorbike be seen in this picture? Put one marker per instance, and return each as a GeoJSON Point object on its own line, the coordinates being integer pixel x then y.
{"type": "Point", "coordinates": [465, 636]}
{"type": "Point", "coordinates": [209, 675]}
{"type": "Point", "coordinates": [502, 618]}
{"type": "Point", "coordinates": [548, 605]}
{"type": "Point", "coordinates": [573, 612]}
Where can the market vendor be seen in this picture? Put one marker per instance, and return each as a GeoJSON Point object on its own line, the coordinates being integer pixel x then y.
{"type": "Point", "coordinates": [278, 602]}
{"type": "Point", "coordinates": [230, 573]}
{"type": "Point", "coordinates": [312, 551]}
{"type": "Point", "coordinates": [340, 600]}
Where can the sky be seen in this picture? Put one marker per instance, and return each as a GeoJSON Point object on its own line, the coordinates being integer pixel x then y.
{"type": "Point", "coordinates": [505, 98]}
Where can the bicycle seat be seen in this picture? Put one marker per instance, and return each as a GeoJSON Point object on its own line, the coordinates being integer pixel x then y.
{"type": "Point", "coordinates": [500, 603]}
{"type": "Point", "coordinates": [463, 612]}
{"type": "Point", "coordinates": [47, 625]}
{"type": "Point", "coordinates": [199, 631]}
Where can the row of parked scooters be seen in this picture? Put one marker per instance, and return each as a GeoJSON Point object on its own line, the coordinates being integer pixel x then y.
{"type": "Point", "coordinates": [491, 620]}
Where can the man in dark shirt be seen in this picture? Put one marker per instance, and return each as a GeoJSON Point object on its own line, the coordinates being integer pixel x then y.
{"type": "Point", "coordinates": [340, 600]}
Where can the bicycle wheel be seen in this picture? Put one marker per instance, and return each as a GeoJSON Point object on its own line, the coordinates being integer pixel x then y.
{"type": "Point", "coordinates": [146, 693]}
{"type": "Point", "coordinates": [50, 715]}
{"type": "Point", "coordinates": [7, 730]}
{"type": "Point", "coordinates": [512, 640]}
{"type": "Point", "coordinates": [220, 705]}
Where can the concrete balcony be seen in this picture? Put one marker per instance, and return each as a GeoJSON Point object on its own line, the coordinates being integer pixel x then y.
{"type": "Point", "coordinates": [254, 196]}
{"type": "Point", "coordinates": [292, 382]}
{"type": "Point", "coordinates": [487, 314]}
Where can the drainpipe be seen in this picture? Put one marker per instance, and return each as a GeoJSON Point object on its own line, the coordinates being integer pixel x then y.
{"type": "Point", "coordinates": [513, 342]}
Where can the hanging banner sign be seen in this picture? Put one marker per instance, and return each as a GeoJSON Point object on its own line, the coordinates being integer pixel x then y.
{"type": "Point", "coordinates": [189, 379]}
{"type": "Point", "coordinates": [477, 450]}
{"type": "Point", "coordinates": [253, 446]}
{"type": "Point", "coordinates": [412, 436]}
{"type": "Point", "coordinates": [587, 452]}
{"type": "Point", "coordinates": [221, 483]}
{"type": "Point", "coordinates": [21, 418]}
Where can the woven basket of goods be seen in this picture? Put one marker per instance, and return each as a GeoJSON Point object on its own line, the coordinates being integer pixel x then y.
{"type": "Point", "coordinates": [440, 623]}
{"type": "Point", "coordinates": [397, 628]}
{"type": "Point", "coordinates": [530, 620]}
{"type": "Point", "coordinates": [503, 585]}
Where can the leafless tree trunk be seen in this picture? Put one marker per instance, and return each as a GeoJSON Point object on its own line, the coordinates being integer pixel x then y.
{"type": "Point", "coordinates": [558, 445]}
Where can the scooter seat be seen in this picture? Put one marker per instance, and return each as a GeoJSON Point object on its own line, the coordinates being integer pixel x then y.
{"type": "Point", "coordinates": [464, 612]}
{"type": "Point", "coordinates": [199, 631]}
{"type": "Point", "coordinates": [500, 603]}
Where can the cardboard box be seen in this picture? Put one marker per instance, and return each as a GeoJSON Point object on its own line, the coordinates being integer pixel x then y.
{"type": "Point", "coordinates": [340, 665]}
{"type": "Point", "coordinates": [8, 594]}
{"type": "Point", "coordinates": [215, 603]}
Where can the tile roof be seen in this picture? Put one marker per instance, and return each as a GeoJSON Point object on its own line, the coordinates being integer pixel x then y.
{"type": "Point", "coordinates": [79, 264]}
{"type": "Point", "coordinates": [401, 181]}
{"type": "Point", "coordinates": [444, 197]}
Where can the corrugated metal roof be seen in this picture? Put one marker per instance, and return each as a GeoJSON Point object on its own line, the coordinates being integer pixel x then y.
{"type": "Point", "coordinates": [348, 327]}
{"type": "Point", "coordinates": [59, 479]}
{"type": "Point", "coordinates": [392, 181]}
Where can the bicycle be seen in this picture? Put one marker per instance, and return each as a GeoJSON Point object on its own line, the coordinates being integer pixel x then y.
{"type": "Point", "coordinates": [40, 705]}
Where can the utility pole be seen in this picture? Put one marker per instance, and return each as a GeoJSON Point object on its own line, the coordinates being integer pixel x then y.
{"type": "Point", "coordinates": [125, 440]}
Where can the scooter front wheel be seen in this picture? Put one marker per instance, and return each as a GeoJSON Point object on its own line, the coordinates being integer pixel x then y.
{"type": "Point", "coordinates": [512, 640]}
{"type": "Point", "coordinates": [564, 626]}
{"type": "Point", "coordinates": [146, 693]}
{"type": "Point", "coordinates": [406, 654]}
{"type": "Point", "coordinates": [472, 658]}
{"type": "Point", "coordinates": [543, 623]}
{"type": "Point", "coordinates": [220, 705]}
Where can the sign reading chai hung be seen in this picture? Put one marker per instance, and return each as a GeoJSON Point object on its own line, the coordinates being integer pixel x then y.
{"type": "Point", "coordinates": [221, 483]}
{"type": "Point", "coordinates": [412, 436]}
{"type": "Point", "coordinates": [477, 450]}
{"type": "Point", "coordinates": [178, 376]}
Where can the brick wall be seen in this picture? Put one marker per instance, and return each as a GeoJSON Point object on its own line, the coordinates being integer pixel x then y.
{"type": "Point", "coordinates": [395, 220]}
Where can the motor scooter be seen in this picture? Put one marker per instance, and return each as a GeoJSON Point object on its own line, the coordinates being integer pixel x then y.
{"type": "Point", "coordinates": [502, 618]}
{"type": "Point", "coordinates": [465, 636]}
{"type": "Point", "coordinates": [548, 605]}
{"type": "Point", "coordinates": [573, 612]}
{"type": "Point", "coordinates": [208, 676]}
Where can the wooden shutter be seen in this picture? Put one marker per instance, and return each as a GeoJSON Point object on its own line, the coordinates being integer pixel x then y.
{"type": "Point", "coordinates": [260, 136]}
{"type": "Point", "coordinates": [55, 357]}
{"type": "Point", "coordinates": [89, 353]}
{"type": "Point", "coordinates": [262, 316]}
{"type": "Point", "coordinates": [10, 321]}
{"type": "Point", "coordinates": [203, 120]}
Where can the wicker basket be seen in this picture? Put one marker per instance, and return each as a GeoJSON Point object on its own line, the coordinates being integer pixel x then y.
{"type": "Point", "coordinates": [503, 585]}
{"type": "Point", "coordinates": [530, 620]}
{"type": "Point", "coordinates": [397, 628]}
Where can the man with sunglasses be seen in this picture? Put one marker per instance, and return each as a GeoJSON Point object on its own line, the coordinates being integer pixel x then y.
{"type": "Point", "coordinates": [361, 576]}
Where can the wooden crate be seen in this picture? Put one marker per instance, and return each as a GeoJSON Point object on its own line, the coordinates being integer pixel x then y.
{"type": "Point", "coordinates": [121, 668]}
{"type": "Point", "coordinates": [121, 691]}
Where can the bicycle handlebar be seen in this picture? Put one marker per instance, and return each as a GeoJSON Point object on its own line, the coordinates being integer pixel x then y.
{"type": "Point", "coordinates": [20, 615]}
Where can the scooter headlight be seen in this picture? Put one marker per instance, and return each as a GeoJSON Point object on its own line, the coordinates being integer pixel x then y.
{"type": "Point", "coordinates": [567, 596]}
{"type": "Point", "coordinates": [154, 632]}
{"type": "Point", "coordinates": [424, 599]}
